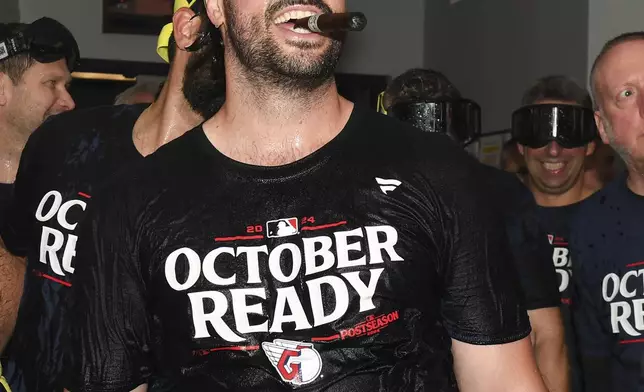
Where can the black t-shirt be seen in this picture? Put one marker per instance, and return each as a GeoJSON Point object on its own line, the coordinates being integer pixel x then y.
{"type": "Point", "coordinates": [608, 298]}
{"type": "Point", "coordinates": [64, 163]}
{"type": "Point", "coordinates": [527, 239]}
{"type": "Point", "coordinates": [348, 270]}
{"type": "Point", "coordinates": [6, 193]}
{"type": "Point", "coordinates": [557, 221]}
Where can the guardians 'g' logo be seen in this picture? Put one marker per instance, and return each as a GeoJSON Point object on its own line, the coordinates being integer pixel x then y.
{"type": "Point", "coordinates": [296, 362]}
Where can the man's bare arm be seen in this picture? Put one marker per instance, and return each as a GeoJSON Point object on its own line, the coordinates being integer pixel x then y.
{"type": "Point", "coordinates": [497, 368]}
{"type": "Point", "coordinates": [12, 275]}
{"type": "Point", "coordinates": [549, 344]}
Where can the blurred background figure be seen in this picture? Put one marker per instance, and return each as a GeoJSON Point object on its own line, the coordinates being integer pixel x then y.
{"type": "Point", "coordinates": [602, 166]}
{"type": "Point", "coordinates": [512, 161]}
{"type": "Point", "coordinates": [146, 90]}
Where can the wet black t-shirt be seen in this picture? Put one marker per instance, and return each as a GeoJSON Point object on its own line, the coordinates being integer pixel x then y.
{"type": "Point", "coordinates": [348, 270]}
{"type": "Point", "coordinates": [607, 248]}
{"type": "Point", "coordinates": [6, 193]}
{"type": "Point", "coordinates": [557, 221]}
{"type": "Point", "coordinates": [65, 161]}
{"type": "Point", "coordinates": [527, 238]}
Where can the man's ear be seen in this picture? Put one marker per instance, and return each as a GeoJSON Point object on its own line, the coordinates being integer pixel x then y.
{"type": "Point", "coordinates": [186, 27]}
{"type": "Point", "coordinates": [600, 127]}
{"type": "Point", "coordinates": [215, 10]}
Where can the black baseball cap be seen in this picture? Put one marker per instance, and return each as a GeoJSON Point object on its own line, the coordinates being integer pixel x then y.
{"type": "Point", "coordinates": [45, 40]}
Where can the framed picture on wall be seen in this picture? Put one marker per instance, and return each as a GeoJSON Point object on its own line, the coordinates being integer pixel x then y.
{"type": "Point", "coordinates": [145, 17]}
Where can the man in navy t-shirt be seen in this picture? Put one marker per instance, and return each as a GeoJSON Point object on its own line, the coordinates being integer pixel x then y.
{"type": "Point", "coordinates": [607, 237]}
{"type": "Point", "coordinates": [555, 150]}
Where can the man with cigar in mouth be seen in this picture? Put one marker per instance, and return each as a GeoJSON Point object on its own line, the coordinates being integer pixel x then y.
{"type": "Point", "coordinates": [297, 240]}
{"type": "Point", "coordinates": [428, 100]}
{"type": "Point", "coordinates": [65, 165]}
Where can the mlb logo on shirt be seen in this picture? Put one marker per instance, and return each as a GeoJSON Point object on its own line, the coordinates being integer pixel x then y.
{"type": "Point", "coordinates": [282, 228]}
{"type": "Point", "coordinates": [551, 238]}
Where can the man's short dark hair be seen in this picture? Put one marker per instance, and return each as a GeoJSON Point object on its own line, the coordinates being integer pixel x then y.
{"type": "Point", "coordinates": [557, 88]}
{"type": "Point", "coordinates": [418, 85]}
{"type": "Point", "coordinates": [14, 66]}
{"type": "Point", "coordinates": [608, 46]}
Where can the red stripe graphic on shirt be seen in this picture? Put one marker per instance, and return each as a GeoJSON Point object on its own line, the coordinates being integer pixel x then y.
{"type": "Point", "coordinates": [322, 227]}
{"type": "Point", "coordinates": [85, 195]}
{"type": "Point", "coordinates": [326, 339]}
{"type": "Point", "coordinates": [38, 273]}
{"type": "Point", "coordinates": [234, 348]}
{"type": "Point", "coordinates": [635, 264]}
{"type": "Point", "coordinates": [239, 238]}
{"type": "Point", "coordinates": [631, 341]}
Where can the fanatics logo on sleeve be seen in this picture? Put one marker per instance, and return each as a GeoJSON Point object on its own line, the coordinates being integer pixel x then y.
{"type": "Point", "coordinates": [387, 185]}
{"type": "Point", "coordinates": [282, 228]}
{"type": "Point", "coordinates": [297, 363]}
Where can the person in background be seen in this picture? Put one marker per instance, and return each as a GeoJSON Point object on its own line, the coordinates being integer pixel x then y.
{"type": "Point", "coordinates": [512, 161]}
{"type": "Point", "coordinates": [66, 163]}
{"type": "Point", "coordinates": [602, 166]}
{"type": "Point", "coordinates": [141, 92]}
{"type": "Point", "coordinates": [606, 244]}
{"type": "Point", "coordinates": [556, 153]}
{"type": "Point", "coordinates": [36, 60]}
{"type": "Point", "coordinates": [408, 93]}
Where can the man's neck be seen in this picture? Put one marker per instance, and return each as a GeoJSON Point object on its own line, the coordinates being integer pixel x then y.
{"type": "Point", "coordinates": [573, 195]}
{"type": "Point", "coordinates": [11, 145]}
{"type": "Point", "coordinates": [169, 117]}
{"type": "Point", "coordinates": [272, 126]}
{"type": "Point", "coordinates": [635, 181]}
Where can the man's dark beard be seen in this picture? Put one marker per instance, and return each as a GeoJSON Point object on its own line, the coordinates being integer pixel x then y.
{"type": "Point", "coordinates": [262, 56]}
{"type": "Point", "coordinates": [204, 84]}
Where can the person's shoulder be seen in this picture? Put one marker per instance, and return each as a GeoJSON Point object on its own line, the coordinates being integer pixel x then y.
{"type": "Point", "coordinates": [389, 138]}
{"type": "Point", "coordinates": [87, 121]}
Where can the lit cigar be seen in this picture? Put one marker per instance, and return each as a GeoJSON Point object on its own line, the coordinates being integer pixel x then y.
{"type": "Point", "coordinates": [333, 23]}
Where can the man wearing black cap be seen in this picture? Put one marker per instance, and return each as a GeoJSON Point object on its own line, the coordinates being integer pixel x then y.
{"type": "Point", "coordinates": [555, 131]}
{"type": "Point", "coordinates": [35, 64]}
{"type": "Point", "coordinates": [65, 164]}
{"type": "Point", "coordinates": [427, 99]}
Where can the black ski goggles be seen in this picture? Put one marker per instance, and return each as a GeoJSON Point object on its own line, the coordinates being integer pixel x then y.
{"type": "Point", "coordinates": [46, 41]}
{"type": "Point", "coordinates": [460, 119]}
{"type": "Point", "coordinates": [570, 126]}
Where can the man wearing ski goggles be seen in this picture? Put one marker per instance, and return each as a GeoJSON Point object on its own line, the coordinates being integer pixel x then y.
{"type": "Point", "coordinates": [555, 137]}
{"type": "Point", "coordinates": [556, 132]}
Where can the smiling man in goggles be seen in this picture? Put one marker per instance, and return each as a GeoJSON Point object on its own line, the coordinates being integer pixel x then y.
{"type": "Point", "coordinates": [35, 64]}
{"type": "Point", "coordinates": [556, 132]}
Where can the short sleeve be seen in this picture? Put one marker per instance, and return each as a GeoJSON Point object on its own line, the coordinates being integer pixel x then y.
{"type": "Point", "coordinates": [19, 219]}
{"type": "Point", "coordinates": [108, 342]}
{"type": "Point", "coordinates": [532, 254]}
{"type": "Point", "coordinates": [481, 303]}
